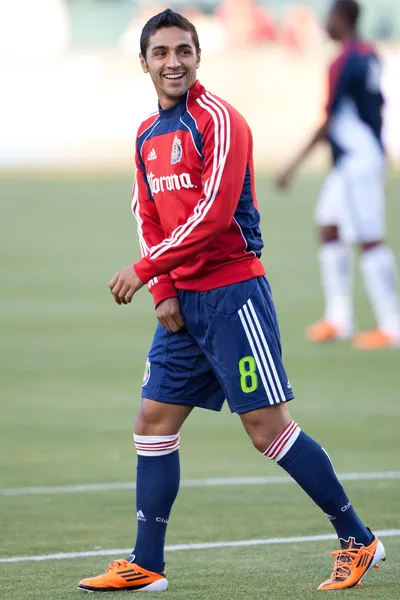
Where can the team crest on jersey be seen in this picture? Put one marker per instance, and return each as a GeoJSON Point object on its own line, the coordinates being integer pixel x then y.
{"type": "Point", "coordinates": [146, 374]}
{"type": "Point", "coordinates": [176, 152]}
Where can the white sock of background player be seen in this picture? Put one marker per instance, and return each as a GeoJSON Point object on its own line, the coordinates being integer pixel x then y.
{"type": "Point", "coordinates": [379, 272]}
{"type": "Point", "coordinates": [336, 267]}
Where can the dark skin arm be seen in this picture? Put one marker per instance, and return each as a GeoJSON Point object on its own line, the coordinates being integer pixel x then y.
{"type": "Point", "coordinates": [285, 177]}
{"type": "Point", "coordinates": [124, 286]}
{"type": "Point", "coordinates": [169, 314]}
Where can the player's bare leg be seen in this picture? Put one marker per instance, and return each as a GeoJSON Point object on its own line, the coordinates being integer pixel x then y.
{"type": "Point", "coordinates": [336, 276]}
{"type": "Point", "coordinates": [265, 424]}
{"type": "Point", "coordinates": [157, 442]}
{"type": "Point", "coordinates": [275, 435]}
{"type": "Point", "coordinates": [159, 419]}
{"type": "Point", "coordinates": [379, 271]}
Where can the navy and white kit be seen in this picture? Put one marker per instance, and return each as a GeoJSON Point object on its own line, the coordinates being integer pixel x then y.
{"type": "Point", "coordinates": [353, 194]}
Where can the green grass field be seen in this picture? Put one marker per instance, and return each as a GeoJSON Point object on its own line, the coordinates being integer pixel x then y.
{"type": "Point", "coordinates": [71, 368]}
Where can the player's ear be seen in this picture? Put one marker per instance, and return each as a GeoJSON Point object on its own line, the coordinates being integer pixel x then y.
{"type": "Point", "coordinates": [198, 58]}
{"type": "Point", "coordinates": [143, 63]}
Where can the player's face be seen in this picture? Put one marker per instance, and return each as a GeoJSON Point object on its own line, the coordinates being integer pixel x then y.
{"type": "Point", "coordinates": [172, 61]}
{"type": "Point", "coordinates": [334, 25]}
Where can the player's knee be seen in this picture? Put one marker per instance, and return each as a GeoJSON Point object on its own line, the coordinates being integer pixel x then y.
{"type": "Point", "coordinates": [140, 427]}
{"type": "Point", "coordinates": [328, 234]}
{"type": "Point", "coordinates": [261, 441]}
{"type": "Point", "coordinates": [265, 424]}
{"type": "Point", "coordinates": [150, 419]}
{"type": "Point", "coordinates": [159, 418]}
{"type": "Point", "coordinates": [365, 246]}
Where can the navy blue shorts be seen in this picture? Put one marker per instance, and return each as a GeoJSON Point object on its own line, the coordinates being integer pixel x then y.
{"type": "Point", "coordinates": [230, 349]}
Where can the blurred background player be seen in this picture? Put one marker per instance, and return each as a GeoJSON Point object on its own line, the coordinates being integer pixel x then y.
{"type": "Point", "coordinates": [218, 337]}
{"type": "Point", "coordinates": [351, 207]}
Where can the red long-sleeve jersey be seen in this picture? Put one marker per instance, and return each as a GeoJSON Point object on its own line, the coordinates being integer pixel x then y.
{"type": "Point", "coordinates": [194, 197]}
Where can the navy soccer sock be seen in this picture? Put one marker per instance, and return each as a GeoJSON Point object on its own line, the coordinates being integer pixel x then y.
{"type": "Point", "coordinates": [310, 466]}
{"type": "Point", "coordinates": [157, 485]}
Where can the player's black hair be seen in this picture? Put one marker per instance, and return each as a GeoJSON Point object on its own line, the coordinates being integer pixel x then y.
{"type": "Point", "coordinates": [350, 10]}
{"type": "Point", "coordinates": [167, 18]}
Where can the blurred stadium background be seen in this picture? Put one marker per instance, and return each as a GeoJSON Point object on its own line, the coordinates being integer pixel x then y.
{"type": "Point", "coordinates": [71, 362]}
{"type": "Point", "coordinates": [77, 63]}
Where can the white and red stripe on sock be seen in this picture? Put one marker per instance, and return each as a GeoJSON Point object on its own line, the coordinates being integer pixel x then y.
{"type": "Point", "coordinates": [156, 445]}
{"type": "Point", "coordinates": [283, 442]}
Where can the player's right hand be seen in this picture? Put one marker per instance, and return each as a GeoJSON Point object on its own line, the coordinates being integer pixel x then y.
{"type": "Point", "coordinates": [169, 314]}
{"type": "Point", "coordinates": [284, 179]}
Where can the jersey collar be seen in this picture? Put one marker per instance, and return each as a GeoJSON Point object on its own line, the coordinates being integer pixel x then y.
{"type": "Point", "coordinates": [349, 43]}
{"type": "Point", "coordinates": [186, 100]}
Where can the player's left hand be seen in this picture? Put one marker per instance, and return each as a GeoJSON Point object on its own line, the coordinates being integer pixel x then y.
{"type": "Point", "coordinates": [124, 285]}
{"type": "Point", "coordinates": [169, 315]}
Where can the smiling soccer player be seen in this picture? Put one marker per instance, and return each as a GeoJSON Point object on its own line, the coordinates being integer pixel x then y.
{"type": "Point", "coordinates": [218, 337]}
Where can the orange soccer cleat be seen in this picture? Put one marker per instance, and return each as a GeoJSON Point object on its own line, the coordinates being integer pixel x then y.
{"type": "Point", "coordinates": [374, 340]}
{"type": "Point", "coordinates": [352, 562]}
{"type": "Point", "coordinates": [122, 575]}
{"type": "Point", "coordinates": [323, 331]}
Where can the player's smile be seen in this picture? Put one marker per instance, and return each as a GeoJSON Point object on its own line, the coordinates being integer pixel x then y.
{"type": "Point", "coordinates": [177, 79]}
{"type": "Point", "coordinates": [173, 76]}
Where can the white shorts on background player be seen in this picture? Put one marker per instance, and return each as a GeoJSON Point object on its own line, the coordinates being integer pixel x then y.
{"type": "Point", "coordinates": [353, 195]}
{"type": "Point", "coordinates": [353, 198]}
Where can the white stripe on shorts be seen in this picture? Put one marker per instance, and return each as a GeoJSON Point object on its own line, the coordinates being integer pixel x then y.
{"type": "Point", "coordinates": [261, 353]}
{"type": "Point", "coordinates": [269, 355]}
{"type": "Point", "coordinates": [256, 357]}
